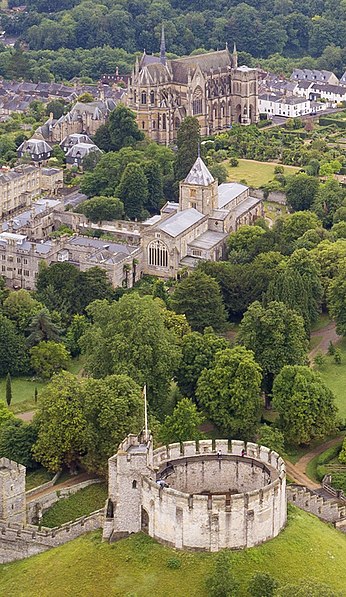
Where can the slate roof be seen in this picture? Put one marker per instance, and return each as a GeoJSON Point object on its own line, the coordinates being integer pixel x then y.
{"type": "Point", "coordinates": [199, 174]}
{"type": "Point", "coordinates": [229, 191]}
{"type": "Point", "coordinates": [35, 146]}
{"type": "Point", "coordinates": [208, 240]}
{"type": "Point", "coordinates": [180, 222]}
{"type": "Point", "coordinates": [81, 150]}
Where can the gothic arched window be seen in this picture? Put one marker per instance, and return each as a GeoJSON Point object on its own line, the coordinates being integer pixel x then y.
{"type": "Point", "coordinates": [157, 253]}
{"type": "Point", "coordinates": [197, 101]}
{"type": "Point", "coordinates": [144, 97]}
{"type": "Point", "coordinates": [152, 97]}
{"type": "Point", "coordinates": [164, 121]}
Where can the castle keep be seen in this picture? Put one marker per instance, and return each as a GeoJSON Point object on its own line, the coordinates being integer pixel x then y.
{"type": "Point", "coordinates": [209, 86]}
{"type": "Point", "coordinates": [206, 497]}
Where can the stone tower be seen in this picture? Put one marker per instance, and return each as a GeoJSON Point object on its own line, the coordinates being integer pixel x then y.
{"type": "Point", "coordinates": [244, 90]}
{"type": "Point", "coordinates": [199, 189]}
{"type": "Point", "coordinates": [125, 514]}
{"type": "Point", "coordinates": [12, 491]}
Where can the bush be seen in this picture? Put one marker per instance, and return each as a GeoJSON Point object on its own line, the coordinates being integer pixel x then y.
{"type": "Point", "coordinates": [174, 563]}
{"type": "Point", "coordinates": [321, 471]}
{"type": "Point", "coordinates": [329, 455]}
{"type": "Point", "coordinates": [262, 585]}
{"type": "Point", "coordinates": [331, 348]}
{"type": "Point", "coordinates": [234, 162]}
{"type": "Point", "coordinates": [337, 356]}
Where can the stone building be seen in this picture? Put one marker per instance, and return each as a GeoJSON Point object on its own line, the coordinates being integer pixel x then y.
{"type": "Point", "coordinates": [209, 86]}
{"type": "Point", "coordinates": [12, 492]}
{"type": "Point", "coordinates": [37, 149]}
{"type": "Point", "coordinates": [202, 498]}
{"type": "Point", "coordinates": [20, 185]}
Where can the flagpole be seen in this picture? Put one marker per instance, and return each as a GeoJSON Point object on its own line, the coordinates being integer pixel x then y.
{"type": "Point", "coordinates": [145, 412]}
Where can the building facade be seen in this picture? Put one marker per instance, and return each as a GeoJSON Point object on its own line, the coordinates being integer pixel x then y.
{"type": "Point", "coordinates": [209, 86]}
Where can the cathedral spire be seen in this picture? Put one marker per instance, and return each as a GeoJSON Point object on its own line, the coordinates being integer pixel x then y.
{"type": "Point", "coordinates": [163, 46]}
{"type": "Point", "coordinates": [234, 56]}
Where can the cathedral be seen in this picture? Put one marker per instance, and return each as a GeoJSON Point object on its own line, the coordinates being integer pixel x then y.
{"type": "Point", "coordinates": [209, 86]}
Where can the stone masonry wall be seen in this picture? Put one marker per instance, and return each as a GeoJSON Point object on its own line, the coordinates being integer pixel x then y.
{"type": "Point", "coordinates": [327, 510]}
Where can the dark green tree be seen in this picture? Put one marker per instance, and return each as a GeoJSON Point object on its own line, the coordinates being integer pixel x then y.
{"type": "Point", "coordinates": [42, 328]}
{"type": "Point", "coordinates": [123, 128]}
{"type": "Point", "coordinates": [56, 107]}
{"type": "Point", "coordinates": [199, 297]}
{"type": "Point", "coordinates": [272, 438]}
{"type": "Point", "coordinates": [276, 335]}
{"type": "Point", "coordinates": [16, 442]}
{"type": "Point", "coordinates": [301, 190]}
{"type": "Point", "coordinates": [329, 198]}
{"type": "Point", "coordinates": [198, 353]}
{"type": "Point", "coordinates": [133, 190]}
{"type": "Point", "coordinates": [262, 585]}
{"type": "Point", "coordinates": [102, 208]}
{"type": "Point", "coordinates": [183, 424]}
{"type": "Point", "coordinates": [13, 352]}
{"type": "Point", "coordinates": [305, 405]}
{"type": "Point", "coordinates": [154, 178]}
{"type": "Point", "coordinates": [222, 583]}
{"type": "Point", "coordinates": [229, 392]}
{"type": "Point", "coordinates": [188, 139]}
{"type": "Point", "coordinates": [8, 390]}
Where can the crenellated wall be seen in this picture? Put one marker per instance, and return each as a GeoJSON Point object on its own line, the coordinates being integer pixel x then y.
{"type": "Point", "coordinates": [244, 505]}
{"type": "Point", "coordinates": [328, 510]}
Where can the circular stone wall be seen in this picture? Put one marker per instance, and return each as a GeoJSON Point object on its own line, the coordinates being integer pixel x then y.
{"type": "Point", "coordinates": [216, 498]}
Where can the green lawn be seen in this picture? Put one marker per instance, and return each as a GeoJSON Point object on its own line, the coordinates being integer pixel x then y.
{"type": "Point", "coordinates": [79, 504]}
{"type": "Point", "coordinates": [322, 321]}
{"type": "Point", "coordinates": [335, 378]}
{"type": "Point", "coordinates": [255, 173]}
{"type": "Point", "coordinates": [306, 549]}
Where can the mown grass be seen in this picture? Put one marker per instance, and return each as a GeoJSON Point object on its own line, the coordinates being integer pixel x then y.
{"type": "Point", "coordinates": [255, 173]}
{"type": "Point", "coordinates": [81, 503]}
{"type": "Point", "coordinates": [335, 377]}
{"type": "Point", "coordinates": [37, 478]}
{"type": "Point", "coordinates": [306, 549]}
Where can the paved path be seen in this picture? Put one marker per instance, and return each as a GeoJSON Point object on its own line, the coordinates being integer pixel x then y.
{"type": "Point", "coordinates": [69, 483]}
{"type": "Point", "coordinates": [327, 334]}
{"type": "Point", "coordinates": [297, 471]}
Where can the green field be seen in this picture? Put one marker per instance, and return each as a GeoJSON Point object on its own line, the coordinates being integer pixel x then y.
{"type": "Point", "coordinates": [306, 549]}
{"type": "Point", "coordinates": [335, 378]}
{"type": "Point", "coordinates": [83, 502]}
{"type": "Point", "coordinates": [255, 173]}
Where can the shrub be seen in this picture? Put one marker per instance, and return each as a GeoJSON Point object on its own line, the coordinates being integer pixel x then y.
{"type": "Point", "coordinates": [337, 356]}
{"type": "Point", "coordinates": [329, 455]}
{"type": "Point", "coordinates": [262, 585]}
{"type": "Point", "coordinates": [331, 348]}
{"type": "Point", "coordinates": [174, 563]}
{"type": "Point", "coordinates": [234, 162]}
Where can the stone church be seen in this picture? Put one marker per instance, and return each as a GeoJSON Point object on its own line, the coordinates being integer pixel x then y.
{"type": "Point", "coordinates": [209, 86]}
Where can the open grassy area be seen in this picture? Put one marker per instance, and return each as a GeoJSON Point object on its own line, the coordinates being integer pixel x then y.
{"type": "Point", "coordinates": [335, 378]}
{"type": "Point", "coordinates": [306, 549]}
{"type": "Point", "coordinates": [81, 503]}
{"type": "Point", "coordinates": [322, 321]}
{"type": "Point", "coordinates": [255, 173]}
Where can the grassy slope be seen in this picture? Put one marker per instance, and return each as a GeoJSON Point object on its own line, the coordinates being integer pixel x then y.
{"type": "Point", "coordinates": [79, 504]}
{"type": "Point", "coordinates": [255, 173]}
{"type": "Point", "coordinates": [36, 478]}
{"type": "Point", "coordinates": [335, 378]}
{"type": "Point", "coordinates": [307, 549]}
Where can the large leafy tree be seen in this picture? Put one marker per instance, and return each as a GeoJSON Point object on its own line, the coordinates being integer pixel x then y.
{"type": "Point", "coordinates": [130, 336]}
{"type": "Point", "coordinates": [133, 190]}
{"type": "Point", "coordinates": [123, 129]}
{"type": "Point", "coordinates": [198, 353]}
{"type": "Point", "coordinates": [16, 441]}
{"type": "Point", "coordinates": [102, 208]}
{"type": "Point", "coordinates": [337, 301]}
{"type": "Point", "coordinates": [48, 358]}
{"type": "Point", "coordinates": [198, 296]}
{"type": "Point", "coordinates": [277, 336]}
{"type": "Point", "coordinates": [188, 139]}
{"type": "Point", "coordinates": [329, 198]}
{"type": "Point", "coordinates": [289, 229]}
{"type": "Point", "coordinates": [244, 244]}
{"type": "Point", "coordinates": [301, 190]}
{"type": "Point", "coordinates": [183, 424]}
{"type": "Point", "coordinates": [42, 329]}
{"type": "Point", "coordinates": [305, 404]}
{"type": "Point", "coordinates": [229, 392]}
{"type": "Point", "coordinates": [13, 352]}
{"type": "Point", "coordinates": [20, 307]}
{"type": "Point", "coordinates": [154, 178]}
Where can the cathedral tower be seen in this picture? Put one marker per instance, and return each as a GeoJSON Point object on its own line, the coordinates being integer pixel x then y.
{"type": "Point", "coordinates": [199, 189]}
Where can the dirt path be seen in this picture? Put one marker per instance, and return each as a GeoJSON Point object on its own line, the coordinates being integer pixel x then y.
{"type": "Point", "coordinates": [69, 483]}
{"type": "Point", "coordinates": [297, 471]}
{"type": "Point", "coordinates": [26, 416]}
{"type": "Point", "coordinates": [328, 334]}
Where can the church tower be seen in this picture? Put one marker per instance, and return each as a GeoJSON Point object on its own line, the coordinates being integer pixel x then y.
{"type": "Point", "coordinates": [199, 189]}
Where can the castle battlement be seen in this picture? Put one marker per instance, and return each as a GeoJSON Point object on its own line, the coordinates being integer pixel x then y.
{"type": "Point", "coordinates": [205, 495]}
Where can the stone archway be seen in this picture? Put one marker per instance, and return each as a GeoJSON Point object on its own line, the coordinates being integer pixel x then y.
{"type": "Point", "coordinates": [144, 521]}
{"type": "Point", "coordinates": [238, 113]}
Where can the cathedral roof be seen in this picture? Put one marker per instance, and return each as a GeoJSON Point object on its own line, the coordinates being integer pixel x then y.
{"type": "Point", "coordinates": [199, 174]}
{"type": "Point", "coordinates": [211, 60]}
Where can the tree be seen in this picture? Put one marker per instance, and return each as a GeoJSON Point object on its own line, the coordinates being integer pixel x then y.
{"type": "Point", "coordinates": [61, 424]}
{"type": "Point", "coordinates": [336, 300]}
{"type": "Point", "coordinates": [123, 129]}
{"type": "Point", "coordinates": [56, 107]}
{"type": "Point", "coordinates": [287, 230]}
{"type": "Point", "coordinates": [198, 353]}
{"type": "Point", "coordinates": [102, 208]}
{"type": "Point", "coordinates": [20, 307]}
{"type": "Point", "coordinates": [154, 178]}
{"type": "Point", "coordinates": [130, 337]}
{"type": "Point", "coordinates": [113, 407]}
{"type": "Point", "coordinates": [16, 442]}
{"type": "Point", "coordinates": [199, 297]}
{"type": "Point", "coordinates": [306, 588]}
{"type": "Point", "coordinates": [6, 416]}
{"type": "Point", "coordinates": [183, 424]}
{"type": "Point", "coordinates": [221, 583]}
{"type": "Point", "coordinates": [42, 329]}
{"type": "Point", "coordinates": [76, 329]}
{"type": "Point", "coordinates": [8, 390]}
{"type": "Point", "coordinates": [262, 585]}
{"type": "Point", "coordinates": [301, 190]}
{"type": "Point", "coordinates": [229, 392]}
{"type": "Point", "coordinates": [272, 438]}
{"type": "Point", "coordinates": [85, 98]}
{"type": "Point", "coordinates": [243, 244]}
{"type": "Point", "coordinates": [277, 337]}
{"type": "Point", "coordinates": [133, 190]}
{"type": "Point", "coordinates": [48, 358]}
{"type": "Point", "coordinates": [188, 139]}
{"type": "Point", "coordinates": [329, 198]}
{"type": "Point", "coordinates": [13, 354]}
{"type": "Point", "coordinates": [305, 404]}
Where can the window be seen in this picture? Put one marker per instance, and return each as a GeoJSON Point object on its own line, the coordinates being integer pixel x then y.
{"type": "Point", "coordinates": [26, 273]}
{"type": "Point", "coordinates": [25, 261]}
{"type": "Point", "coordinates": [152, 97]}
{"type": "Point", "coordinates": [196, 253]}
{"type": "Point", "coordinates": [3, 268]}
{"type": "Point", "coordinates": [18, 259]}
{"type": "Point", "coordinates": [144, 97]}
{"type": "Point", "coordinates": [19, 271]}
{"type": "Point", "coordinates": [143, 124]}
{"type": "Point", "coordinates": [134, 484]}
{"type": "Point", "coordinates": [164, 122]}
{"type": "Point", "coordinates": [197, 101]}
{"type": "Point", "coordinates": [157, 253]}
{"type": "Point", "coordinates": [193, 204]}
